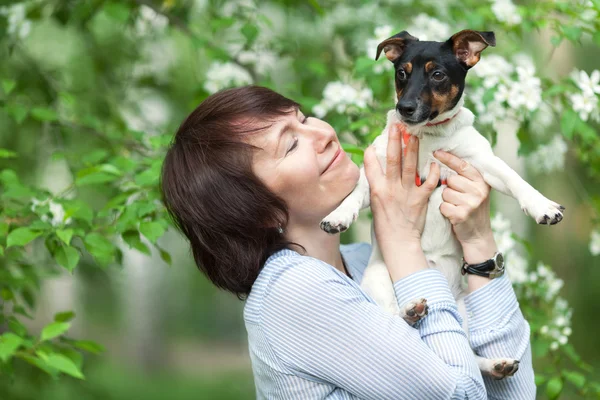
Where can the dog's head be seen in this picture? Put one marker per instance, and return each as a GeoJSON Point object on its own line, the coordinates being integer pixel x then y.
{"type": "Point", "coordinates": [430, 76]}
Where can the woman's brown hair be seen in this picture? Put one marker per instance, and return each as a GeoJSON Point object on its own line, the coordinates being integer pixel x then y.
{"type": "Point", "coordinates": [229, 216]}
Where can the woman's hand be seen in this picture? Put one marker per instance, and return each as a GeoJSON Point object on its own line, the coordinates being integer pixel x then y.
{"type": "Point", "coordinates": [466, 200]}
{"type": "Point", "coordinates": [467, 205]}
{"type": "Point", "coordinates": [398, 205]}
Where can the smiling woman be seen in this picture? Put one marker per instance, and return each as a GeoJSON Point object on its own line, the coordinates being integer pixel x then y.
{"type": "Point", "coordinates": [248, 180]}
{"type": "Point", "coordinates": [229, 216]}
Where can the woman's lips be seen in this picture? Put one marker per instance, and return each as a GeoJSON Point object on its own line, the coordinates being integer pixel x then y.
{"type": "Point", "coordinates": [336, 159]}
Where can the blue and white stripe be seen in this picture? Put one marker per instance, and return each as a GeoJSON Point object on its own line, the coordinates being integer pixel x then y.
{"type": "Point", "coordinates": [314, 334]}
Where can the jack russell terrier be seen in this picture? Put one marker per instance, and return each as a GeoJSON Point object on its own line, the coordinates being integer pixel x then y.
{"type": "Point", "coordinates": [430, 79]}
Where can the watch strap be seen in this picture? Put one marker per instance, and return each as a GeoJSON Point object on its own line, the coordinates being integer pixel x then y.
{"type": "Point", "coordinates": [489, 269]}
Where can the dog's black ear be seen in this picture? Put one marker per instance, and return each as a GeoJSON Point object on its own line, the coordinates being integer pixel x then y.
{"type": "Point", "coordinates": [468, 45]}
{"type": "Point", "coordinates": [395, 46]}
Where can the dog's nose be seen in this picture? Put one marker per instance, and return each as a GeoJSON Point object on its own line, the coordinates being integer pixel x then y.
{"type": "Point", "coordinates": [407, 108]}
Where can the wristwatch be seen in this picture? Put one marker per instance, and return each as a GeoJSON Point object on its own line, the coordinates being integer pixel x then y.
{"type": "Point", "coordinates": [492, 268]}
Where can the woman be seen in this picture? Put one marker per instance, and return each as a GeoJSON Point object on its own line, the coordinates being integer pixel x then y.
{"type": "Point", "coordinates": [248, 179]}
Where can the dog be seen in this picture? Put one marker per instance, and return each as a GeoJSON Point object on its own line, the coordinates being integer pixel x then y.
{"type": "Point", "coordinates": [430, 80]}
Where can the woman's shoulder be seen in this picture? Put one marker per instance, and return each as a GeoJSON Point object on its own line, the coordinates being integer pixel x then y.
{"type": "Point", "coordinates": [299, 275]}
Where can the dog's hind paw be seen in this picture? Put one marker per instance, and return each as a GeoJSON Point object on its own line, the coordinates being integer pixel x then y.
{"type": "Point", "coordinates": [503, 367]}
{"type": "Point", "coordinates": [414, 311]}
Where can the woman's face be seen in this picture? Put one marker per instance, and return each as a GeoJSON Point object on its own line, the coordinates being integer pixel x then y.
{"type": "Point", "coordinates": [296, 164]}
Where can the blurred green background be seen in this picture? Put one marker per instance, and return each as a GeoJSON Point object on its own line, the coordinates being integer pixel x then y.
{"type": "Point", "coordinates": [140, 67]}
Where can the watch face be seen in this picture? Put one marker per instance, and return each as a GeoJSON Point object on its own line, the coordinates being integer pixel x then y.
{"type": "Point", "coordinates": [500, 260]}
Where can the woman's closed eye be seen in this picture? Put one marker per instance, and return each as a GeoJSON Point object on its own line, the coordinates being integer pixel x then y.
{"type": "Point", "coordinates": [295, 143]}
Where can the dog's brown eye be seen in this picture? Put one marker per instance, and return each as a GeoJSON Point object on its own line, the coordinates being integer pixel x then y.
{"type": "Point", "coordinates": [401, 74]}
{"type": "Point", "coordinates": [438, 75]}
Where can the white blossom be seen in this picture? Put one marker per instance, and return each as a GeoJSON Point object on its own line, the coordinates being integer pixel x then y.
{"type": "Point", "coordinates": [567, 331]}
{"type": "Point", "coordinates": [563, 340]}
{"type": "Point", "coordinates": [224, 75]}
{"type": "Point", "coordinates": [342, 97]}
{"type": "Point", "coordinates": [264, 61]}
{"type": "Point", "coordinates": [595, 243]}
{"type": "Point", "coordinates": [584, 103]}
{"type": "Point", "coordinates": [381, 33]}
{"type": "Point", "coordinates": [544, 330]}
{"type": "Point", "coordinates": [506, 12]}
{"type": "Point", "coordinates": [553, 346]}
{"type": "Point", "coordinates": [549, 157]}
{"type": "Point", "coordinates": [425, 28]}
{"type": "Point", "coordinates": [516, 267]}
{"type": "Point", "coordinates": [588, 84]}
{"type": "Point", "coordinates": [18, 24]}
{"type": "Point", "coordinates": [149, 21]}
{"type": "Point", "coordinates": [56, 209]}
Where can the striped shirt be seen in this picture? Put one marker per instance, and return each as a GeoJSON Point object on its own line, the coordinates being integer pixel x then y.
{"type": "Point", "coordinates": [313, 333]}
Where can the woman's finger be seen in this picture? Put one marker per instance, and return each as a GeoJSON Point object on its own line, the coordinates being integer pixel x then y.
{"type": "Point", "coordinates": [454, 213]}
{"type": "Point", "coordinates": [432, 180]}
{"type": "Point", "coordinates": [460, 183]}
{"type": "Point", "coordinates": [456, 198]}
{"type": "Point", "coordinates": [459, 165]}
{"type": "Point", "coordinates": [394, 154]}
{"type": "Point", "coordinates": [409, 169]}
{"type": "Point", "coordinates": [373, 169]}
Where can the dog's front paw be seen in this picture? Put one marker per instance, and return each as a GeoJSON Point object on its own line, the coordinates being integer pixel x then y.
{"type": "Point", "coordinates": [414, 311]}
{"type": "Point", "coordinates": [544, 211]}
{"type": "Point", "coordinates": [339, 220]}
{"type": "Point", "coordinates": [503, 367]}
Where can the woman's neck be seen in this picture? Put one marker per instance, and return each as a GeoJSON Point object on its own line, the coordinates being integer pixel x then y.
{"type": "Point", "coordinates": [318, 244]}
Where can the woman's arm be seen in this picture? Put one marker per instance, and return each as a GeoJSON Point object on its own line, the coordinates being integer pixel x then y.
{"type": "Point", "coordinates": [324, 328]}
{"type": "Point", "coordinates": [496, 325]}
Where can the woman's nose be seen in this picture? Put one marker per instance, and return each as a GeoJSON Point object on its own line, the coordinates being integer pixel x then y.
{"type": "Point", "coordinates": [322, 136]}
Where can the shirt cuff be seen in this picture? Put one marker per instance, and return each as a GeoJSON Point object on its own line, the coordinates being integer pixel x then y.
{"type": "Point", "coordinates": [429, 283]}
{"type": "Point", "coordinates": [491, 304]}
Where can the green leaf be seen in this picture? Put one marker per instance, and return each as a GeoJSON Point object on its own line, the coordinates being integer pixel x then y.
{"type": "Point", "coordinates": [9, 343]}
{"type": "Point", "coordinates": [3, 229]}
{"type": "Point", "coordinates": [527, 145]}
{"type": "Point", "coordinates": [573, 33]}
{"type": "Point", "coordinates": [250, 32]}
{"type": "Point", "coordinates": [350, 148]}
{"type": "Point", "coordinates": [17, 111]}
{"type": "Point", "coordinates": [1, 250]}
{"type": "Point", "coordinates": [44, 114]}
{"type": "Point", "coordinates": [96, 243]}
{"type": "Point", "coordinates": [16, 326]}
{"type": "Point", "coordinates": [575, 378]}
{"type": "Point", "coordinates": [567, 123]}
{"type": "Point", "coordinates": [540, 379]}
{"type": "Point", "coordinates": [596, 37]}
{"type": "Point", "coordinates": [8, 85]}
{"type": "Point", "coordinates": [7, 153]}
{"type": "Point", "coordinates": [21, 236]}
{"type": "Point", "coordinates": [64, 316]}
{"type": "Point", "coordinates": [38, 363]}
{"type": "Point", "coordinates": [53, 330]}
{"type": "Point", "coordinates": [556, 40]}
{"type": "Point", "coordinates": [132, 238]}
{"type": "Point", "coordinates": [117, 10]}
{"type": "Point", "coordinates": [166, 257]}
{"type": "Point", "coordinates": [67, 256]}
{"type": "Point", "coordinates": [89, 346]}
{"type": "Point", "coordinates": [65, 235]}
{"type": "Point", "coordinates": [152, 230]}
{"type": "Point", "coordinates": [64, 364]}
{"type": "Point", "coordinates": [554, 387]}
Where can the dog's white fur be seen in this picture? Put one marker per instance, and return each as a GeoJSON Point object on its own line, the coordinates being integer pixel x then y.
{"type": "Point", "coordinates": [441, 248]}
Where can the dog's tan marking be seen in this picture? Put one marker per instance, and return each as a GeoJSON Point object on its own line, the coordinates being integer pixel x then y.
{"type": "Point", "coordinates": [441, 101]}
{"type": "Point", "coordinates": [429, 66]}
{"type": "Point", "coordinates": [408, 67]}
{"type": "Point", "coordinates": [398, 93]}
